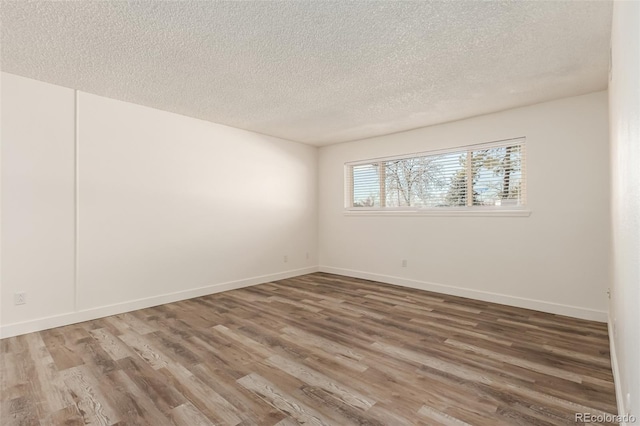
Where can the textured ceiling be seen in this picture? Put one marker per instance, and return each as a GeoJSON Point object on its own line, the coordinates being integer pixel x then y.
{"type": "Point", "coordinates": [318, 72]}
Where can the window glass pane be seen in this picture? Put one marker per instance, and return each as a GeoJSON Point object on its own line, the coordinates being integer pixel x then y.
{"type": "Point", "coordinates": [427, 181]}
{"type": "Point", "coordinates": [482, 175]}
{"type": "Point", "coordinates": [456, 179]}
{"type": "Point", "coordinates": [366, 185]}
{"type": "Point", "coordinates": [497, 176]}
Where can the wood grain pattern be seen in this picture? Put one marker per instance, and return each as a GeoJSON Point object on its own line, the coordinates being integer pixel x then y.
{"type": "Point", "coordinates": [319, 349]}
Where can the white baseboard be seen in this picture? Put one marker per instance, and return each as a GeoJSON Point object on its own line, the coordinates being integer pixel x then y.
{"type": "Point", "coordinates": [39, 324]}
{"type": "Point", "coordinates": [504, 299]}
{"type": "Point", "coordinates": [616, 373]}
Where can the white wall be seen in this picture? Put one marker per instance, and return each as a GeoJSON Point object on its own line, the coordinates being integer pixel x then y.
{"type": "Point", "coordinates": [169, 203]}
{"type": "Point", "coordinates": [37, 198]}
{"type": "Point", "coordinates": [555, 260]}
{"type": "Point", "coordinates": [624, 100]}
{"type": "Point", "coordinates": [169, 207]}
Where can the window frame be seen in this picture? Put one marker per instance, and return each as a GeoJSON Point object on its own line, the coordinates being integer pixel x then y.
{"type": "Point", "coordinates": [521, 210]}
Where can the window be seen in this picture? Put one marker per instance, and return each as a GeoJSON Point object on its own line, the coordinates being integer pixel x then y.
{"type": "Point", "coordinates": [486, 177]}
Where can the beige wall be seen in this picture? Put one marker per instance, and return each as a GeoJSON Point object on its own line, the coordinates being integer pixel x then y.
{"type": "Point", "coordinates": [555, 260]}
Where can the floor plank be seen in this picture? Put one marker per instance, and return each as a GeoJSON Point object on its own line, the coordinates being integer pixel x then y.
{"type": "Point", "coordinates": [319, 349]}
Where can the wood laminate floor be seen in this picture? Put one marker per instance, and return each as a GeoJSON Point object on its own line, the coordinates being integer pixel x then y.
{"type": "Point", "coordinates": [318, 349]}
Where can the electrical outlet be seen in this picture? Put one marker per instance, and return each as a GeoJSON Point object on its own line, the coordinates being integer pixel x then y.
{"type": "Point", "coordinates": [307, 255]}
{"type": "Point", "coordinates": [404, 263]}
{"type": "Point", "coordinates": [286, 258]}
{"type": "Point", "coordinates": [20, 298]}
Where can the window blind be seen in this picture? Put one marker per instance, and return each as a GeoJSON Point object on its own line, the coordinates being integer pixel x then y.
{"type": "Point", "coordinates": [490, 175]}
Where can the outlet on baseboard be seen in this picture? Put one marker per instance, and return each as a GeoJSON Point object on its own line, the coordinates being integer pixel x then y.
{"type": "Point", "coordinates": [20, 298]}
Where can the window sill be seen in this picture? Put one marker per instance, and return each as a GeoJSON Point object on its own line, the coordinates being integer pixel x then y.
{"type": "Point", "coordinates": [442, 212]}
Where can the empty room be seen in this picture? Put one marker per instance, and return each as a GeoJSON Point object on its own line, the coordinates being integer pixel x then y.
{"type": "Point", "coordinates": [320, 212]}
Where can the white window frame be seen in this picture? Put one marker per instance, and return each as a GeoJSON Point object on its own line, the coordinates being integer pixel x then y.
{"type": "Point", "coordinates": [521, 210]}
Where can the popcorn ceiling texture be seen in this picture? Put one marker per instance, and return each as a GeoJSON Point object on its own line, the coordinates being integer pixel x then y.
{"type": "Point", "coordinates": [315, 72]}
